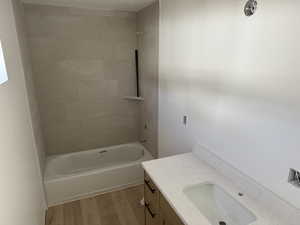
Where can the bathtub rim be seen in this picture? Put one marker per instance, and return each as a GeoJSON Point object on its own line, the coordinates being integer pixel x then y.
{"type": "Point", "coordinates": [49, 179]}
{"type": "Point", "coordinates": [53, 157]}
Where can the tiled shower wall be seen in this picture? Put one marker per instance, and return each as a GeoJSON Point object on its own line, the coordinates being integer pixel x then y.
{"type": "Point", "coordinates": [148, 30]}
{"type": "Point", "coordinates": [31, 91]}
{"type": "Point", "coordinates": [83, 65]}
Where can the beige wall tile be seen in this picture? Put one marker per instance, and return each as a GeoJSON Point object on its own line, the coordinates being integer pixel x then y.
{"type": "Point", "coordinates": [148, 27]}
{"type": "Point", "coordinates": [83, 64]}
{"type": "Point", "coordinates": [31, 90]}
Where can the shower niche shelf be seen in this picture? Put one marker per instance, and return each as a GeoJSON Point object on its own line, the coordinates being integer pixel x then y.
{"type": "Point", "coordinates": [134, 98]}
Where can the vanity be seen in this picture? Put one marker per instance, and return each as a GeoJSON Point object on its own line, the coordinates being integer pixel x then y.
{"type": "Point", "coordinates": [157, 209]}
{"type": "Point", "coordinates": [184, 190]}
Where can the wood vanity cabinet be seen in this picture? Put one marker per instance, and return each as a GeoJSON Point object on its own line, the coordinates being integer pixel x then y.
{"type": "Point", "coordinates": [157, 209]}
{"type": "Point", "coordinates": [151, 194]}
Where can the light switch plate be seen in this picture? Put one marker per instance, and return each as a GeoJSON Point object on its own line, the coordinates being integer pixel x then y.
{"type": "Point", "coordinates": [185, 120]}
{"type": "Point", "coordinates": [294, 178]}
{"type": "Point", "coordinates": [3, 71]}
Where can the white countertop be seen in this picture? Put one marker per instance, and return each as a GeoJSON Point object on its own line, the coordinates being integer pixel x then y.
{"type": "Point", "coordinates": [171, 175]}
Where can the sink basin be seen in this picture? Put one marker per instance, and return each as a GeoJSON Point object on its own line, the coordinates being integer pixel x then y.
{"type": "Point", "coordinates": [218, 206]}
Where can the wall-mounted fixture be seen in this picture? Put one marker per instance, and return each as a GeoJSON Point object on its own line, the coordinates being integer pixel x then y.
{"type": "Point", "coordinates": [185, 120]}
{"type": "Point", "coordinates": [3, 71]}
{"type": "Point", "coordinates": [133, 98]}
{"type": "Point", "coordinates": [138, 97]}
{"type": "Point", "coordinates": [250, 7]}
{"type": "Point", "coordinates": [137, 73]}
{"type": "Point", "coordinates": [294, 178]}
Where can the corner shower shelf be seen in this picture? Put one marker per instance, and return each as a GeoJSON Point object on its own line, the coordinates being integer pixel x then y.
{"type": "Point", "coordinates": [134, 98]}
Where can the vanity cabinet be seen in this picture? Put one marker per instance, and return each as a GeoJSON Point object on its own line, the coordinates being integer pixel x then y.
{"type": "Point", "coordinates": [151, 194]}
{"type": "Point", "coordinates": [167, 214]}
{"type": "Point", "coordinates": [157, 210]}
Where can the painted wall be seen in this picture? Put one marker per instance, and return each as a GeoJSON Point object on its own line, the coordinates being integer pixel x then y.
{"type": "Point", "coordinates": [83, 65]}
{"type": "Point", "coordinates": [237, 80]}
{"type": "Point", "coordinates": [148, 30]}
{"type": "Point", "coordinates": [21, 183]}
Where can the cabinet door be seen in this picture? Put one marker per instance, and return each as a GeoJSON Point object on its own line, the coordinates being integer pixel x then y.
{"type": "Point", "coordinates": [167, 214]}
{"type": "Point", "coordinates": [151, 194]}
{"type": "Point", "coordinates": [150, 218]}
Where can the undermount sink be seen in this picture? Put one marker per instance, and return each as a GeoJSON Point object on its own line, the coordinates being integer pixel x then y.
{"type": "Point", "coordinates": [218, 206]}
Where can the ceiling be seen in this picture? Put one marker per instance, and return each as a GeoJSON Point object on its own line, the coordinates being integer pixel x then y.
{"type": "Point", "coordinates": [126, 5]}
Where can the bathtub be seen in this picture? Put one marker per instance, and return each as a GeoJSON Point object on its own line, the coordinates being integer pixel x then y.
{"type": "Point", "coordinates": [78, 175]}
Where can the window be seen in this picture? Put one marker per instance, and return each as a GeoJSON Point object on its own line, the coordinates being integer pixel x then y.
{"type": "Point", "coordinates": [3, 72]}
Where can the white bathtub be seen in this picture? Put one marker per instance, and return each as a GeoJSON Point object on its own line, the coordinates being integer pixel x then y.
{"type": "Point", "coordinates": [77, 175]}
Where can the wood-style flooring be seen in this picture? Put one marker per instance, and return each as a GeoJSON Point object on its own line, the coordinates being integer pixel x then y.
{"type": "Point", "coordinates": [116, 208]}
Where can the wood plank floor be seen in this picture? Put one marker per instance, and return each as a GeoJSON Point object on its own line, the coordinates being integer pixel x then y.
{"type": "Point", "coordinates": [116, 208]}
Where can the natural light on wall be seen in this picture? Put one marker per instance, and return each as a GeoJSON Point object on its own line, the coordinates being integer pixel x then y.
{"type": "Point", "coordinates": [3, 72]}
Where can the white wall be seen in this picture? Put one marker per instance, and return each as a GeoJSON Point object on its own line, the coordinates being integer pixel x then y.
{"type": "Point", "coordinates": [21, 183]}
{"type": "Point", "coordinates": [237, 79]}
